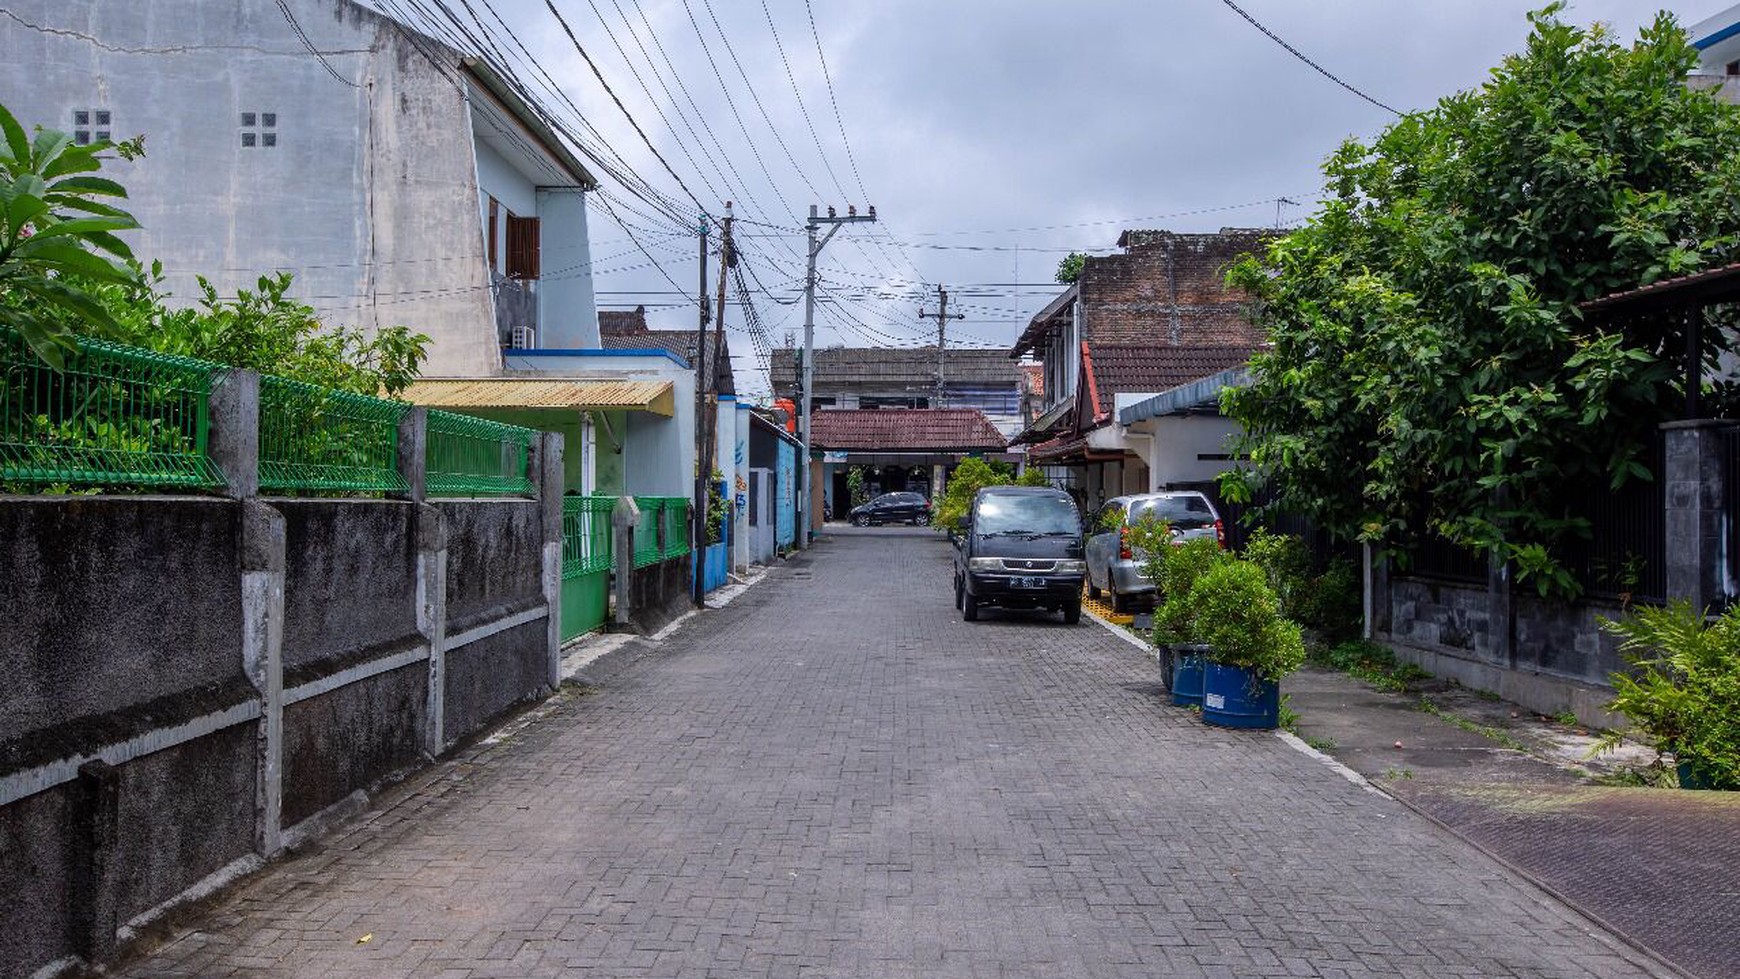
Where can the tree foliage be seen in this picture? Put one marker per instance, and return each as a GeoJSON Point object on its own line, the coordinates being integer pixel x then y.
{"type": "Point", "coordinates": [1431, 371]}
{"type": "Point", "coordinates": [55, 224]}
{"type": "Point", "coordinates": [1069, 269]}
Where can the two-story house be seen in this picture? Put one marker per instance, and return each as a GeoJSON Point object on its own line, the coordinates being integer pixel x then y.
{"type": "Point", "coordinates": [1152, 318]}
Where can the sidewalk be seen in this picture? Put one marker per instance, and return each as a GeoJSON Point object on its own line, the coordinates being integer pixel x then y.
{"type": "Point", "coordinates": [1658, 867]}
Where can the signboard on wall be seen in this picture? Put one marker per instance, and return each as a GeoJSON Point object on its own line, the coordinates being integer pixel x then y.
{"type": "Point", "coordinates": [834, 457]}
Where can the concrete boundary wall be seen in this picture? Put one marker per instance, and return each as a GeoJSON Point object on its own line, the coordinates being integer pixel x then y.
{"type": "Point", "coordinates": [185, 682]}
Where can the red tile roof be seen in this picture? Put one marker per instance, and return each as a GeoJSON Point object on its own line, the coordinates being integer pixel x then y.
{"type": "Point", "coordinates": [1151, 368]}
{"type": "Point", "coordinates": [905, 429]}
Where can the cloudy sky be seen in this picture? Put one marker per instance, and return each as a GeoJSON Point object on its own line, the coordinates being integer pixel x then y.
{"type": "Point", "coordinates": [993, 136]}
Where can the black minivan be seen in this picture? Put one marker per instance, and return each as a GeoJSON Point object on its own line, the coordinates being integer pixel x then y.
{"type": "Point", "coordinates": [1020, 547]}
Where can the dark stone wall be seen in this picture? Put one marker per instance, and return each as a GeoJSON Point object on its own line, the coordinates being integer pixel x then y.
{"type": "Point", "coordinates": [1441, 614]}
{"type": "Point", "coordinates": [349, 579]}
{"type": "Point", "coordinates": [659, 593]}
{"type": "Point", "coordinates": [37, 853]}
{"type": "Point", "coordinates": [1552, 638]}
{"type": "Point", "coordinates": [495, 558]}
{"type": "Point", "coordinates": [352, 737]}
{"type": "Point", "coordinates": [113, 601]}
{"type": "Point", "coordinates": [489, 676]}
{"type": "Point", "coordinates": [183, 813]}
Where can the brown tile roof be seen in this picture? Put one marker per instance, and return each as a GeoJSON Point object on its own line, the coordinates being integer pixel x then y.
{"type": "Point", "coordinates": [905, 429]}
{"type": "Point", "coordinates": [904, 368]}
{"type": "Point", "coordinates": [1151, 368]}
{"type": "Point", "coordinates": [1035, 375]}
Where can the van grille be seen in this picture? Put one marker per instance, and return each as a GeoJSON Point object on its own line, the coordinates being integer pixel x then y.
{"type": "Point", "coordinates": [1026, 564]}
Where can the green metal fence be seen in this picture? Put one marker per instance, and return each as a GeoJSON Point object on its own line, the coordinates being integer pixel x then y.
{"type": "Point", "coordinates": [674, 542]}
{"type": "Point", "coordinates": [586, 560]}
{"type": "Point", "coordinates": [646, 531]}
{"type": "Point", "coordinates": [114, 415]}
{"type": "Point", "coordinates": [314, 438]}
{"type": "Point", "coordinates": [468, 456]}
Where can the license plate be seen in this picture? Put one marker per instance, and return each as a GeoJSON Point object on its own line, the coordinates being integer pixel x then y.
{"type": "Point", "coordinates": [1028, 583]}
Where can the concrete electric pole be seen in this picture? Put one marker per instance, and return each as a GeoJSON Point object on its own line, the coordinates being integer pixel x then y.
{"type": "Point", "coordinates": [698, 515]}
{"type": "Point", "coordinates": [942, 317]}
{"type": "Point", "coordinates": [808, 377]}
{"type": "Point", "coordinates": [707, 373]}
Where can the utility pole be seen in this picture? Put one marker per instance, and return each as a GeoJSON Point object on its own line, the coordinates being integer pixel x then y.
{"type": "Point", "coordinates": [942, 317]}
{"type": "Point", "coordinates": [815, 248]}
{"type": "Point", "coordinates": [709, 404]}
{"type": "Point", "coordinates": [698, 509]}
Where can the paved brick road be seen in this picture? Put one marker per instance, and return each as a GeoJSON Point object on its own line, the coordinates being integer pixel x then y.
{"type": "Point", "coordinates": [835, 776]}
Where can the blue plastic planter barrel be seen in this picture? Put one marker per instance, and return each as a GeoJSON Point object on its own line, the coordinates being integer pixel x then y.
{"type": "Point", "coordinates": [1187, 675]}
{"type": "Point", "coordinates": [1233, 696]}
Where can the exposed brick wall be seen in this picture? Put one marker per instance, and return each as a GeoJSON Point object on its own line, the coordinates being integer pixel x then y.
{"type": "Point", "coordinates": [1169, 287]}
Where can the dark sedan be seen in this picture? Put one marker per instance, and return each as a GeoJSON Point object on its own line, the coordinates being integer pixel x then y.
{"type": "Point", "coordinates": [910, 508]}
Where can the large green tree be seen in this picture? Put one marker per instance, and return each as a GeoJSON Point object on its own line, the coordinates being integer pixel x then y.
{"type": "Point", "coordinates": [1431, 371]}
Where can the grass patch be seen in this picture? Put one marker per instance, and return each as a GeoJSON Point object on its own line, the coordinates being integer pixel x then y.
{"type": "Point", "coordinates": [1325, 745]}
{"type": "Point", "coordinates": [1398, 773]}
{"type": "Point", "coordinates": [1490, 733]}
{"type": "Point", "coordinates": [1371, 663]}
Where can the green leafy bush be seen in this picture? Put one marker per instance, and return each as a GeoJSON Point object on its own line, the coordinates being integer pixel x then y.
{"type": "Point", "coordinates": [1285, 563]}
{"type": "Point", "coordinates": [1240, 619]}
{"type": "Point", "coordinates": [972, 475]}
{"type": "Point", "coordinates": [1176, 619]}
{"type": "Point", "coordinates": [1333, 602]}
{"type": "Point", "coordinates": [1684, 687]}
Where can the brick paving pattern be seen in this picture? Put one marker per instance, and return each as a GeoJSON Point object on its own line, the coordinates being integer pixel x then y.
{"type": "Point", "coordinates": [835, 776]}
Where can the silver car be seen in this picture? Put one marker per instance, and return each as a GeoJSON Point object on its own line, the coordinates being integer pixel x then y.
{"type": "Point", "coordinates": [1116, 567]}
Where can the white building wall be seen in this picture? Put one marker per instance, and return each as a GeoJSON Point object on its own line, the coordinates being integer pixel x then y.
{"type": "Point", "coordinates": [368, 195]}
{"type": "Point", "coordinates": [567, 307]}
{"type": "Point", "coordinates": [1171, 455]}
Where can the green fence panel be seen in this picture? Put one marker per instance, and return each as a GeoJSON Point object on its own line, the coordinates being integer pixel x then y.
{"type": "Point", "coordinates": [675, 542]}
{"type": "Point", "coordinates": [586, 561]}
{"type": "Point", "coordinates": [468, 456]}
{"type": "Point", "coordinates": [646, 532]}
{"type": "Point", "coordinates": [585, 603]}
{"type": "Point", "coordinates": [314, 438]}
{"type": "Point", "coordinates": [115, 415]}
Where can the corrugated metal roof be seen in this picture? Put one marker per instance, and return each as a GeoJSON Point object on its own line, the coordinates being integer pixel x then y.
{"type": "Point", "coordinates": [570, 393]}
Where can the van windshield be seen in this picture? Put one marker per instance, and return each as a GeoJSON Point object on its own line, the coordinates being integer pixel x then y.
{"type": "Point", "coordinates": [1011, 513]}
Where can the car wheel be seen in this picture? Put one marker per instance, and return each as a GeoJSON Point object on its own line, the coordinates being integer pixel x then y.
{"type": "Point", "coordinates": [1093, 589]}
{"type": "Point", "coordinates": [1072, 612]}
{"type": "Point", "coordinates": [959, 591]}
{"type": "Point", "coordinates": [860, 520]}
{"type": "Point", "coordinates": [1119, 602]}
{"type": "Point", "coordinates": [969, 607]}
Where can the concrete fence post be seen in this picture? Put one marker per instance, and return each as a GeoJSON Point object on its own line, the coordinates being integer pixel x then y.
{"type": "Point", "coordinates": [547, 476]}
{"type": "Point", "coordinates": [234, 441]}
{"type": "Point", "coordinates": [430, 532]}
{"type": "Point", "coordinates": [263, 663]}
{"type": "Point", "coordinates": [622, 524]}
{"type": "Point", "coordinates": [413, 454]}
{"type": "Point", "coordinates": [1694, 497]}
{"type": "Point", "coordinates": [95, 910]}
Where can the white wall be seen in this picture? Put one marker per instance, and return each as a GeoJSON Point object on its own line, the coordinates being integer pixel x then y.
{"type": "Point", "coordinates": [369, 195]}
{"type": "Point", "coordinates": [1172, 454]}
{"type": "Point", "coordinates": [567, 310]}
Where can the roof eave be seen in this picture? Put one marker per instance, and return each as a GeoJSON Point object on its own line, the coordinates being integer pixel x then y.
{"type": "Point", "coordinates": [548, 141]}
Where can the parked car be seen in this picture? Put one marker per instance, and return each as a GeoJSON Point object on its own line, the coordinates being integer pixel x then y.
{"type": "Point", "coordinates": [1116, 567]}
{"type": "Point", "coordinates": [1020, 547]}
{"type": "Point", "coordinates": [910, 508]}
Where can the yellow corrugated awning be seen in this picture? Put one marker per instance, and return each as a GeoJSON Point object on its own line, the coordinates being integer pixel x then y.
{"type": "Point", "coordinates": [576, 394]}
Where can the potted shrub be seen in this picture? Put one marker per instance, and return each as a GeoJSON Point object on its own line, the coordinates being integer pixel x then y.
{"type": "Point", "coordinates": [1250, 646]}
{"type": "Point", "coordinates": [1175, 569]}
{"type": "Point", "coordinates": [1683, 690]}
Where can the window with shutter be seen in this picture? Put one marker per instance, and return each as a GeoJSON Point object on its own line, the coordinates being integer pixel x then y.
{"type": "Point", "coordinates": [522, 247]}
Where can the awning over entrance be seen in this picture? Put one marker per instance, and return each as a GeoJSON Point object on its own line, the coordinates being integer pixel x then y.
{"type": "Point", "coordinates": [579, 394]}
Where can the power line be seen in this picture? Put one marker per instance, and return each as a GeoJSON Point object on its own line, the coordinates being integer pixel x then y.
{"type": "Point", "coordinates": [1296, 53]}
{"type": "Point", "coordinates": [291, 19]}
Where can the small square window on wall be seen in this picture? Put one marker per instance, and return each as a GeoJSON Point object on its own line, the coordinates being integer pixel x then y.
{"type": "Point", "coordinates": [84, 119]}
{"type": "Point", "coordinates": [259, 129]}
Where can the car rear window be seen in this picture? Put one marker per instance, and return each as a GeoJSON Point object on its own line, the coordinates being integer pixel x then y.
{"type": "Point", "coordinates": [1184, 512]}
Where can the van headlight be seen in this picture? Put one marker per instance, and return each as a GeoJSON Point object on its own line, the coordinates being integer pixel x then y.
{"type": "Point", "coordinates": [1071, 566]}
{"type": "Point", "coordinates": [985, 564]}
